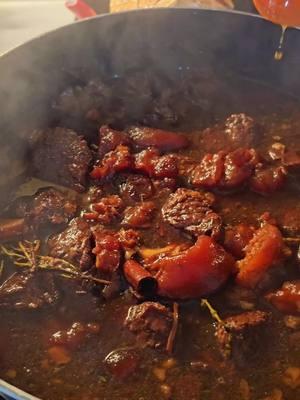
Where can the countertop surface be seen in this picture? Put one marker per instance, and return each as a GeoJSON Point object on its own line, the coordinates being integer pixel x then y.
{"type": "Point", "coordinates": [23, 20]}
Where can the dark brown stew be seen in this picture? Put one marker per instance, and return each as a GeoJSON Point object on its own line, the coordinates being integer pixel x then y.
{"type": "Point", "coordinates": [160, 257]}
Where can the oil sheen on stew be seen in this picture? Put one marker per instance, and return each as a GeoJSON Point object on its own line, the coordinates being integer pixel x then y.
{"type": "Point", "coordinates": [153, 252]}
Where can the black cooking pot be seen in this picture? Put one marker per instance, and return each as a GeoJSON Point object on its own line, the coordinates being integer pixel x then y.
{"type": "Point", "coordinates": [167, 40]}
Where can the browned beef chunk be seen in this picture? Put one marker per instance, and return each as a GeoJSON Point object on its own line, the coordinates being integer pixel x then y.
{"type": "Point", "coordinates": [190, 210]}
{"type": "Point", "coordinates": [287, 299]}
{"type": "Point", "coordinates": [61, 156]}
{"type": "Point", "coordinates": [240, 130]}
{"type": "Point", "coordinates": [151, 322]}
{"type": "Point", "coordinates": [84, 106]}
{"type": "Point", "coordinates": [291, 160]}
{"type": "Point", "coordinates": [186, 166]}
{"type": "Point", "coordinates": [290, 222]}
{"type": "Point", "coordinates": [136, 188]}
{"type": "Point", "coordinates": [267, 180]}
{"type": "Point", "coordinates": [144, 137]}
{"type": "Point", "coordinates": [139, 216]}
{"type": "Point", "coordinates": [47, 206]}
{"type": "Point", "coordinates": [29, 290]}
{"type": "Point", "coordinates": [239, 336]}
{"type": "Point", "coordinates": [236, 239]}
{"type": "Point", "coordinates": [74, 244]}
{"type": "Point", "coordinates": [109, 139]}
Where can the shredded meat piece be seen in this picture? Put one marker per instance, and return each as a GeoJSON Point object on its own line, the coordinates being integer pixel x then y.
{"type": "Point", "coordinates": [210, 170]}
{"type": "Point", "coordinates": [150, 163]}
{"type": "Point", "coordinates": [237, 238]}
{"type": "Point", "coordinates": [267, 180]}
{"type": "Point", "coordinates": [225, 170]}
{"type": "Point", "coordinates": [74, 244]}
{"type": "Point", "coordinates": [139, 216]}
{"type": "Point", "coordinates": [110, 139]}
{"type": "Point", "coordinates": [47, 206]}
{"type": "Point", "coordinates": [115, 161]}
{"type": "Point", "coordinates": [191, 211]}
{"type": "Point", "coordinates": [239, 336]}
{"type": "Point", "coordinates": [128, 238]}
{"type": "Point", "coordinates": [108, 209]}
{"type": "Point", "coordinates": [151, 322]}
{"type": "Point", "coordinates": [29, 290]}
{"type": "Point", "coordinates": [238, 167]}
{"type": "Point", "coordinates": [287, 299]}
{"type": "Point", "coordinates": [107, 251]}
{"type": "Point", "coordinates": [61, 156]}
{"type": "Point", "coordinates": [262, 253]}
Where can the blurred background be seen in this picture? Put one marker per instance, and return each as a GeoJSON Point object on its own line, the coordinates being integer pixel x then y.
{"type": "Point", "coordinates": [21, 20]}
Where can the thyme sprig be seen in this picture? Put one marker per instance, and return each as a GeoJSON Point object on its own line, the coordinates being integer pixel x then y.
{"type": "Point", "coordinates": [26, 254]}
{"type": "Point", "coordinates": [213, 312]}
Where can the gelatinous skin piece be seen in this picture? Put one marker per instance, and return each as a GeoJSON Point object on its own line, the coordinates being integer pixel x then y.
{"type": "Point", "coordinates": [262, 253]}
{"type": "Point", "coordinates": [196, 272]}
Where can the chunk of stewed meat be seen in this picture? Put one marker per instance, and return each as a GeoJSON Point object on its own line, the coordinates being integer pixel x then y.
{"type": "Point", "coordinates": [74, 244]}
{"type": "Point", "coordinates": [290, 222]}
{"type": "Point", "coordinates": [47, 206]}
{"type": "Point", "coordinates": [106, 210]}
{"type": "Point", "coordinates": [186, 166]}
{"type": "Point", "coordinates": [61, 156]}
{"type": "Point", "coordinates": [144, 137]}
{"type": "Point", "coordinates": [240, 130]}
{"type": "Point", "coordinates": [238, 167]}
{"type": "Point", "coordinates": [75, 335]}
{"type": "Point", "coordinates": [240, 336]}
{"type": "Point", "coordinates": [236, 239]}
{"type": "Point", "coordinates": [287, 299]}
{"type": "Point", "coordinates": [151, 322]}
{"type": "Point", "coordinates": [110, 139]}
{"type": "Point", "coordinates": [128, 238]}
{"type": "Point", "coordinates": [225, 170]}
{"type": "Point", "coordinates": [268, 180]}
{"type": "Point", "coordinates": [118, 160]}
{"type": "Point", "coordinates": [209, 172]}
{"type": "Point", "coordinates": [136, 188]}
{"type": "Point", "coordinates": [139, 216]}
{"type": "Point", "coordinates": [152, 164]}
{"type": "Point", "coordinates": [107, 250]}
{"type": "Point", "coordinates": [191, 211]}
{"type": "Point", "coordinates": [122, 363]}
{"type": "Point", "coordinates": [263, 252]}
{"type": "Point", "coordinates": [29, 290]}
{"type": "Point", "coordinates": [291, 160]}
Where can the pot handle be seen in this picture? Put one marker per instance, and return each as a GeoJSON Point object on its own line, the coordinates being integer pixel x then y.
{"type": "Point", "coordinates": [80, 8]}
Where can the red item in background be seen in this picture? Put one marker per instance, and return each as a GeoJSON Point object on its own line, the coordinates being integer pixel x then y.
{"type": "Point", "coordinates": [282, 12]}
{"type": "Point", "coordinates": [80, 9]}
